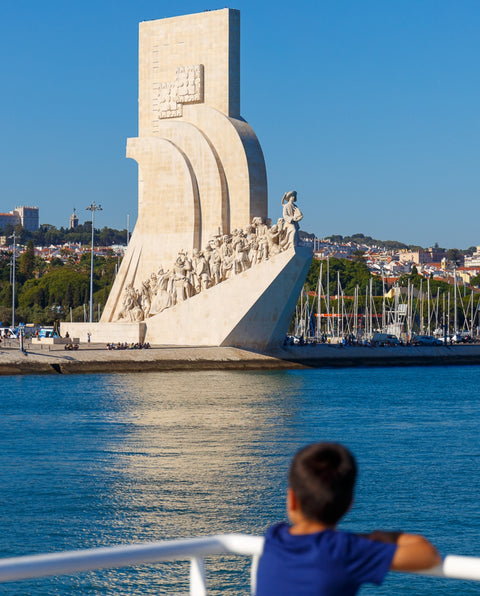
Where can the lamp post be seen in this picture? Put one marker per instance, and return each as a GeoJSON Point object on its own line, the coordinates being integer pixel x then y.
{"type": "Point", "coordinates": [13, 277]}
{"type": "Point", "coordinates": [92, 207]}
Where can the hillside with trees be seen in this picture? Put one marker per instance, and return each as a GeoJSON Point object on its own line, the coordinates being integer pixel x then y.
{"type": "Point", "coordinates": [46, 235]}
{"type": "Point", "coordinates": [388, 244]}
{"type": "Point", "coordinates": [46, 292]}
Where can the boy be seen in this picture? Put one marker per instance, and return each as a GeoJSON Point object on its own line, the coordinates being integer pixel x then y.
{"type": "Point", "coordinates": [310, 557]}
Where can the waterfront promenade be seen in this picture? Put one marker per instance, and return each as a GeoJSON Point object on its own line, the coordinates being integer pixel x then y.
{"type": "Point", "coordinates": [95, 358]}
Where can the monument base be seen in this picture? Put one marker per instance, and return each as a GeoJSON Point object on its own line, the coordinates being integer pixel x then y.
{"type": "Point", "coordinates": [250, 310]}
{"type": "Point", "coordinates": [105, 332]}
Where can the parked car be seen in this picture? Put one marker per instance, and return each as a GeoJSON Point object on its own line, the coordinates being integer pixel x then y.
{"type": "Point", "coordinates": [385, 339]}
{"type": "Point", "coordinates": [462, 337]}
{"type": "Point", "coordinates": [426, 340]}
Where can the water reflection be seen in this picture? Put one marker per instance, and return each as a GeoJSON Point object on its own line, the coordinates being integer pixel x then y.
{"type": "Point", "coordinates": [189, 456]}
{"type": "Point", "coordinates": [193, 455]}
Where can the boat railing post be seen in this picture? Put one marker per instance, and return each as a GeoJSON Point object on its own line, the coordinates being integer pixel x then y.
{"type": "Point", "coordinates": [253, 574]}
{"type": "Point", "coordinates": [198, 586]}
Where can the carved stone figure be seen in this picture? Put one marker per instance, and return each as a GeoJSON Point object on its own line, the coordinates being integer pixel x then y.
{"type": "Point", "coordinates": [227, 256]}
{"type": "Point", "coordinates": [252, 243]}
{"type": "Point", "coordinates": [239, 246]}
{"type": "Point", "coordinates": [216, 263]}
{"type": "Point", "coordinates": [273, 238]}
{"type": "Point", "coordinates": [261, 232]}
{"type": "Point", "coordinates": [163, 297]}
{"type": "Point", "coordinates": [128, 302]}
{"type": "Point", "coordinates": [281, 231]}
{"type": "Point", "coordinates": [202, 271]}
{"type": "Point", "coordinates": [180, 280]}
{"type": "Point", "coordinates": [131, 309]}
{"type": "Point", "coordinates": [188, 271]}
{"type": "Point", "coordinates": [291, 215]}
{"type": "Point", "coordinates": [145, 298]}
{"type": "Point", "coordinates": [153, 284]}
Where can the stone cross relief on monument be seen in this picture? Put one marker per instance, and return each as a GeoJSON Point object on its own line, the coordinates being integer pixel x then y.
{"type": "Point", "coordinates": [187, 88]}
{"type": "Point", "coordinates": [204, 266]}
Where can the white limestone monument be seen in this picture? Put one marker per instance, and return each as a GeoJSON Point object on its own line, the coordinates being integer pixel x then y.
{"type": "Point", "coordinates": [204, 265]}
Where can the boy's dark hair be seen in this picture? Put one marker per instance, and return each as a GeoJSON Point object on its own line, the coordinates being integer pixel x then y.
{"type": "Point", "coordinates": [322, 476]}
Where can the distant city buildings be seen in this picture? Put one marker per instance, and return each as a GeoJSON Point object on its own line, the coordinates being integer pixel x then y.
{"type": "Point", "coordinates": [419, 257]}
{"type": "Point", "coordinates": [474, 260]}
{"type": "Point", "coordinates": [9, 219]}
{"type": "Point", "coordinates": [24, 216]}
{"type": "Point", "coordinates": [390, 264]}
{"type": "Point", "coordinates": [70, 252]}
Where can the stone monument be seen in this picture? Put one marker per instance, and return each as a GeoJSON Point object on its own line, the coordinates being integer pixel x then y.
{"type": "Point", "coordinates": [204, 265]}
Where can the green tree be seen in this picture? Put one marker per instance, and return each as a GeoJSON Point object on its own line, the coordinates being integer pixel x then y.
{"type": "Point", "coordinates": [352, 274]}
{"type": "Point", "coordinates": [6, 294]}
{"type": "Point", "coordinates": [39, 299]}
{"type": "Point", "coordinates": [455, 256]}
{"type": "Point", "coordinates": [26, 262]}
{"type": "Point", "coordinates": [68, 298]}
{"type": "Point", "coordinates": [475, 281]}
{"type": "Point", "coordinates": [56, 262]}
{"type": "Point", "coordinates": [359, 256]}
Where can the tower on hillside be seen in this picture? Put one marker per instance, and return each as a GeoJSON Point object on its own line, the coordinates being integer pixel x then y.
{"type": "Point", "coordinates": [73, 220]}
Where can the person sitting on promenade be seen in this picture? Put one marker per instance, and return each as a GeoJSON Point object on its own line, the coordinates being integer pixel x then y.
{"type": "Point", "coordinates": [311, 556]}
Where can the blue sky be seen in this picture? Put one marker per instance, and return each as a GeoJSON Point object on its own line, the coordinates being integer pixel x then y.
{"type": "Point", "coordinates": [370, 110]}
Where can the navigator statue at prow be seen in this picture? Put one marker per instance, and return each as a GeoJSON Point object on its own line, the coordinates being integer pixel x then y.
{"type": "Point", "coordinates": [291, 216]}
{"type": "Point", "coordinates": [204, 266]}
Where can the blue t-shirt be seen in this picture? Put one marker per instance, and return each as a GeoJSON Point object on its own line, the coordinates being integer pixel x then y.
{"type": "Point", "coordinates": [328, 563]}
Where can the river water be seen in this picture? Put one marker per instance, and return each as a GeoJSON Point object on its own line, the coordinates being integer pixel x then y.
{"type": "Point", "coordinates": [97, 460]}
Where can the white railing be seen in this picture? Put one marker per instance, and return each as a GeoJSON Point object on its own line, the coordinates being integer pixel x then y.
{"type": "Point", "coordinates": [195, 549]}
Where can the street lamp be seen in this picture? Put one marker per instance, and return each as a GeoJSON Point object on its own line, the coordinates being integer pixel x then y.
{"type": "Point", "coordinates": [92, 207]}
{"type": "Point", "coordinates": [13, 277]}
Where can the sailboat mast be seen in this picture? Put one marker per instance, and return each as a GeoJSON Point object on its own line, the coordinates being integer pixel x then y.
{"type": "Point", "coordinates": [355, 313]}
{"type": "Point", "coordinates": [421, 306]}
{"type": "Point", "coordinates": [328, 295]}
{"type": "Point", "coordinates": [471, 315]}
{"type": "Point", "coordinates": [455, 322]}
{"type": "Point", "coordinates": [384, 323]}
{"type": "Point", "coordinates": [319, 302]}
{"type": "Point", "coordinates": [448, 312]}
{"type": "Point", "coordinates": [371, 306]}
{"type": "Point", "coordinates": [428, 306]}
{"type": "Point", "coordinates": [409, 312]}
{"type": "Point", "coordinates": [338, 304]}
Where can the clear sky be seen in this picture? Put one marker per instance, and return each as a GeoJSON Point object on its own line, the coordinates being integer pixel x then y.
{"type": "Point", "coordinates": [369, 109]}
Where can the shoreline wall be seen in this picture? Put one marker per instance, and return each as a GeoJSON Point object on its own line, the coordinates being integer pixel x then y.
{"type": "Point", "coordinates": [96, 359]}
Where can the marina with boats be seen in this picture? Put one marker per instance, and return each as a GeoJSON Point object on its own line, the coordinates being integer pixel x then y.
{"type": "Point", "coordinates": [401, 314]}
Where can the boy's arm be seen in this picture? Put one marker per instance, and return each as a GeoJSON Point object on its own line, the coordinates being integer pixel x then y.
{"type": "Point", "coordinates": [414, 552]}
